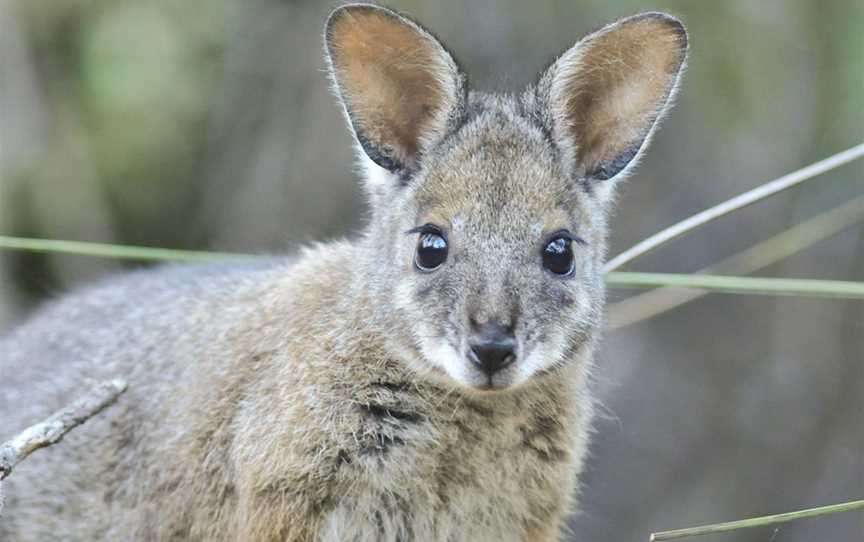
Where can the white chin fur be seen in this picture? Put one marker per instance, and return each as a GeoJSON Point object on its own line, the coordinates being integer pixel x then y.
{"type": "Point", "coordinates": [440, 354]}
{"type": "Point", "coordinates": [543, 356]}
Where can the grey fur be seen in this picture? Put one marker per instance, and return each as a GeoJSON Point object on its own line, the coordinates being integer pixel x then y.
{"type": "Point", "coordinates": [330, 398]}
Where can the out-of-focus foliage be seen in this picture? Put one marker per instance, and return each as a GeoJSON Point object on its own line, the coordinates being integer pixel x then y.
{"type": "Point", "coordinates": [208, 124]}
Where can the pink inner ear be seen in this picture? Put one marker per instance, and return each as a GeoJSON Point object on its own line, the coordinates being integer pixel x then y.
{"type": "Point", "coordinates": [618, 82]}
{"type": "Point", "coordinates": [394, 78]}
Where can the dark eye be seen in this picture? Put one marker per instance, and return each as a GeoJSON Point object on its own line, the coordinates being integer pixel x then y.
{"type": "Point", "coordinates": [558, 255]}
{"type": "Point", "coordinates": [431, 251]}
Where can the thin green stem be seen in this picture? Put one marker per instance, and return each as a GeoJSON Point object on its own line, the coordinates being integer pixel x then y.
{"type": "Point", "coordinates": [738, 202]}
{"type": "Point", "coordinates": [762, 521]}
{"type": "Point", "coordinates": [104, 250]}
{"type": "Point", "coordinates": [643, 306]}
{"type": "Point", "coordinates": [713, 283]}
{"type": "Point", "coordinates": [740, 285]}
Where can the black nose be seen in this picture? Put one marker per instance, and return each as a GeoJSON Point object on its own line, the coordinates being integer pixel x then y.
{"type": "Point", "coordinates": [492, 351]}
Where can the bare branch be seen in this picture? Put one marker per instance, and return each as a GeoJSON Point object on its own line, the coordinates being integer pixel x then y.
{"type": "Point", "coordinates": [52, 430]}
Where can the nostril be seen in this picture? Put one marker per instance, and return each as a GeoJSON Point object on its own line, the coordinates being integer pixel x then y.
{"type": "Point", "coordinates": [492, 356]}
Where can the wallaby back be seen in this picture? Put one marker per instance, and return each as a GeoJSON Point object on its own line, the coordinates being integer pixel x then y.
{"type": "Point", "coordinates": [427, 380]}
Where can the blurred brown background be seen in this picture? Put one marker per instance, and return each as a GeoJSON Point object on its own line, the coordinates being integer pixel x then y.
{"type": "Point", "coordinates": [208, 124]}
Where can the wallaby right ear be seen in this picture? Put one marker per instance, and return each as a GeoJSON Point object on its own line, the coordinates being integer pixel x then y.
{"type": "Point", "coordinates": [606, 94]}
{"type": "Point", "coordinates": [398, 84]}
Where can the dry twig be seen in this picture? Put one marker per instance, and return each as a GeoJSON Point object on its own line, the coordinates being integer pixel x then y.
{"type": "Point", "coordinates": [52, 430]}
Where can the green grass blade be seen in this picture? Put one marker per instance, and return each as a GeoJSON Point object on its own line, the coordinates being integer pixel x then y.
{"type": "Point", "coordinates": [762, 521]}
{"type": "Point", "coordinates": [712, 283]}
{"type": "Point", "coordinates": [738, 202]}
{"type": "Point", "coordinates": [739, 285]}
{"type": "Point", "coordinates": [104, 250]}
{"type": "Point", "coordinates": [647, 305]}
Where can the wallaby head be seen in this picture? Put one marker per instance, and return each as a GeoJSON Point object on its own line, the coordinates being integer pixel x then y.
{"type": "Point", "coordinates": [485, 249]}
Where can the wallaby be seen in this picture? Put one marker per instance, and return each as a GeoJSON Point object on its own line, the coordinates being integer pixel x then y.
{"type": "Point", "coordinates": [425, 380]}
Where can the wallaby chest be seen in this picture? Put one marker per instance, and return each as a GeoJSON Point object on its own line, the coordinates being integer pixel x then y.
{"type": "Point", "coordinates": [415, 464]}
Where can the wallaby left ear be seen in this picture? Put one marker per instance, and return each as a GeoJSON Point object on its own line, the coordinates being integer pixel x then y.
{"type": "Point", "coordinates": [399, 86]}
{"type": "Point", "coordinates": [606, 94]}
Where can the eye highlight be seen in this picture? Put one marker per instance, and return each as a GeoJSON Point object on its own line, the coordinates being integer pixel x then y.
{"type": "Point", "coordinates": [557, 254]}
{"type": "Point", "coordinates": [431, 249]}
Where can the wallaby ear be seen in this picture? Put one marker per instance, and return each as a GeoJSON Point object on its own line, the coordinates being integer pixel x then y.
{"type": "Point", "coordinates": [398, 84]}
{"type": "Point", "coordinates": [606, 94]}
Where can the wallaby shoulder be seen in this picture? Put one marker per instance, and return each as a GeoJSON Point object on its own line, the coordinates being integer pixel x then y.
{"type": "Point", "coordinates": [106, 329]}
{"type": "Point", "coordinates": [166, 331]}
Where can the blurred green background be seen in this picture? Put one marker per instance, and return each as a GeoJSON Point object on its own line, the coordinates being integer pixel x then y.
{"type": "Point", "coordinates": [208, 124]}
